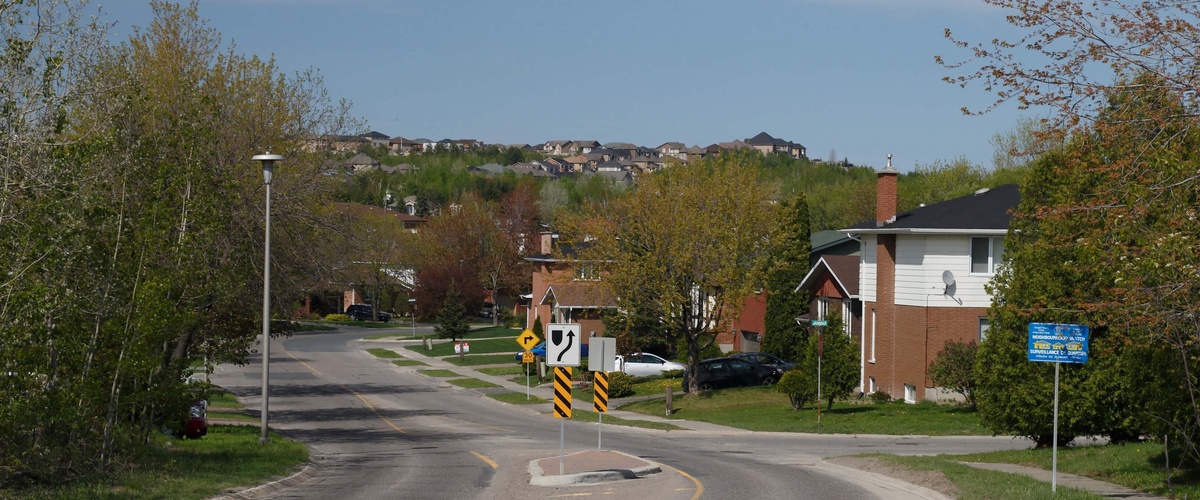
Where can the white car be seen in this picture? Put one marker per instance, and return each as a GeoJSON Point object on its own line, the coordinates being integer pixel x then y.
{"type": "Point", "coordinates": [643, 364]}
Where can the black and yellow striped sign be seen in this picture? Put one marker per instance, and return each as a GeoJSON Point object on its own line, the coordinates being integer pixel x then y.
{"type": "Point", "coordinates": [600, 388]}
{"type": "Point", "coordinates": [562, 392]}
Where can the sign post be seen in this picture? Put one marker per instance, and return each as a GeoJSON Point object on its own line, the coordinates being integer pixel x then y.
{"type": "Point", "coordinates": [1058, 344]}
{"type": "Point", "coordinates": [600, 403]}
{"type": "Point", "coordinates": [527, 340]}
{"type": "Point", "coordinates": [562, 407]}
{"type": "Point", "coordinates": [818, 323]}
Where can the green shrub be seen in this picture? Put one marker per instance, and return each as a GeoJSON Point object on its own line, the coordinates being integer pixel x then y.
{"type": "Point", "coordinates": [800, 386]}
{"type": "Point", "coordinates": [881, 397]}
{"type": "Point", "coordinates": [672, 374]}
{"type": "Point", "coordinates": [337, 317]}
{"type": "Point", "coordinates": [507, 318]}
{"type": "Point", "coordinates": [620, 385]}
{"type": "Point", "coordinates": [954, 368]}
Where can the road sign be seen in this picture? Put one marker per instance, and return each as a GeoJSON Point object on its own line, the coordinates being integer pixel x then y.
{"type": "Point", "coordinates": [527, 357]}
{"type": "Point", "coordinates": [1058, 343]}
{"type": "Point", "coordinates": [527, 339]}
{"type": "Point", "coordinates": [600, 388]}
{"type": "Point", "coordinates": [602, 354]}
{"type": "Point", "coordinates": [562, 392]}
{"type": "Point", "coordinates": [562, 344]}
{"type": "Point", "coordinates": [820, 322]}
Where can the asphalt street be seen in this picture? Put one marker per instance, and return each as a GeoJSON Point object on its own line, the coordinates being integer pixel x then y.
{"type": "Point", "coordinates": [377, 430]}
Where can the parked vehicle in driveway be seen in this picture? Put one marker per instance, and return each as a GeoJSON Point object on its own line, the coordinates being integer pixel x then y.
{"type": "Point", "coordinates": [540, 350]}
{"type": "Point", "coordinates": [364, 312]}
{"type": "Point", "coordinates": [721, 373]}
{"type": "Point", "coordinates": [763, 358]}
{"type": "Point", "coordinates": [644, 364]}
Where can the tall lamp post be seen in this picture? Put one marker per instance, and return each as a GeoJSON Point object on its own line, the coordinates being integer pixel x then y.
{"type": "Point", "coordinates": [268, 167]}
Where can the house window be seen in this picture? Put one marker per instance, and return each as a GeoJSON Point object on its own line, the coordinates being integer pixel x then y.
{"type": "Point", "coordinates": [910, 393]}
{"type": "Point", "coordinates": [983, 328]}
{"type": "Point", "coordinates": [847, 321]}
{"type": "Point", "coordinates": [986, 254]}
{"type": "Point", "coordinates": [822, 307]}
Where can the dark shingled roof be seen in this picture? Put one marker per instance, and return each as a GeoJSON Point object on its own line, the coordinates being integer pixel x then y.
{"type": "Point", "coordinates": [989, 209]}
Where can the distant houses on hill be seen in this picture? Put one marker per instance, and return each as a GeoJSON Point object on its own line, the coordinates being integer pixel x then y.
{"type": "Point", "coordinates": [616, 160]}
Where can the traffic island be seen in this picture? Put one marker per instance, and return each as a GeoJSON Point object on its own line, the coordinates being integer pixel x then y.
{"type": "Point", "coordinates": [587, 467]}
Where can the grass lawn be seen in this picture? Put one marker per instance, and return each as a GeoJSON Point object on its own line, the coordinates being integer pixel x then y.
{"type": "Point", "coordinates": [228, 456]}
{"type": "Point", "coordinates": [380, 352]}
{"type": "Point", "coordinates": [312, 327]}
{"type": "Point", "coordinates": [219, 399]}
{"type": "Point", "coordinates": [765, 409]}
{"type": "Point", "coordinates": [471, 383]}
{"type": "Point", "coordinates": [481, 359]}
{"type": "Point", "coordinates": [516, 398]}
{"type": "Point", "coordinates": [501, 371]}
{"type": "Point", "coordinates": [579, 415]}
{"type": "Point", "coordinates": [438, 373]}
{"type": "Point", "coordinates": [1135, 465]}
{"type": "Point", "coordinates": [408, 335]}
{"type": "Point", "coordinates": [978, 484]}
{"type": "Point", "coordinates": [480, 342]}
{"type": "Point", "coordinates": [409, 362]}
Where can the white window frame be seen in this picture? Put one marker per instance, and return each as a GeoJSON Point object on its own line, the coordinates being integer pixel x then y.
{"type": "Point", "coordinates": [995, 250]}
{"type": "Point", "coordinates": [822, 307]}
{"type": "Point", "coordinates": [984, 326]}
{"type": "Point", "coordinates": [872, 360]}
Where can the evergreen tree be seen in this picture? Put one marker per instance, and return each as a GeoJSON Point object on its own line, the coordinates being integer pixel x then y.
{"type": "Point", "coordinates": [453, 322]}
{"type": "Point", "coordinates": [789, 249]}
{"type": "Point", "coordinates": [839, 364]}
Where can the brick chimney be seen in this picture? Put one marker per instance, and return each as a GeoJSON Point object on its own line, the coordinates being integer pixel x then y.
{"type": "Point", "coordinates": [547, 242]}
{"type": "Point", "coordinates": [885, 195]}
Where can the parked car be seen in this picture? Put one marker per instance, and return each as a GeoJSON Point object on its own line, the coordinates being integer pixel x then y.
{"type": "Point", "coordinates": [364, 312]}
{"type": "Point", "coordinates": [720, 373]}
{"type": "Point", "coordinates": [642, 364]}
{"type": "Point", "coordinates": [765, 359]}
{"type": "Point", "coordinates": [540, 351]}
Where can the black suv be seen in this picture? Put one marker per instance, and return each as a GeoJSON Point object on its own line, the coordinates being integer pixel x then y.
{"type": "Point", "coordinates": [362, 312]}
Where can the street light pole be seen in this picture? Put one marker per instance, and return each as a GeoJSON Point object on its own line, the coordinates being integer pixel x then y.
{"type": "Point", "coordinates": [268, 167]}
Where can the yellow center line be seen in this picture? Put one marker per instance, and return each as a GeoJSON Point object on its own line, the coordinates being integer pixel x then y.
{"type": "Point", "coordinates": [699, 486]}
{"type": "Point", "coordinates": [372, 408]}
{"type": "Point", "coordinates": [485, 459]}
{"type": "Point", "coordinates": [306, 365]}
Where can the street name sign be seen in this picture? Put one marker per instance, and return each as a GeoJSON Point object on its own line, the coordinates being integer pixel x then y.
{"type": "Point", "coordinates": [1058, 343]}
{"type": "Point", "coordinates": [563, 344]}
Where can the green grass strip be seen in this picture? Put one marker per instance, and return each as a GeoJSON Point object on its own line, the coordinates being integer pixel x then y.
{"type": "Point", "coordinates": [409, 362]}
{"type": "Point", "coordinates": [481, 359]}
{"type": "Point", "coordinates": [516, 398]}
{"type": "Point", "coordinates": [438, 373]}
{"type": "Point", "coordinates": [503, 371]}
{"type": "Point", "coordinates": [579, 415]}
{"type": "Point", "coordinates": [383, 353]}
{"type": "Point", "coordinates": [229, 456]}
{"type": "Point", "coordinates": [980, 484]}
{"type": "Point", "coordinates": [472, 383]}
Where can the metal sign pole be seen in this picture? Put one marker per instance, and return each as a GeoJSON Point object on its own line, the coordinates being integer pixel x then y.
{"type": "Point", "coordinates": [599, 429]}
{"type": "Point", "coordinates": [1054, 454]}
{"type": "Point", "coordinates": [561, 433]}
{"type": "Point", "coordinates": [526, 381]}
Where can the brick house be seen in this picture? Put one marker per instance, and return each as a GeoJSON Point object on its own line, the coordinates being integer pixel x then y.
{"type": "Point", "coordinates": [564, 292]}
{"type": "Point", "coordinates": [921, 281]}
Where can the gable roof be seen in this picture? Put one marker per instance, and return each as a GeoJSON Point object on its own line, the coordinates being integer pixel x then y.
{"type": "Point", "coordinates": [842, 270]}
{"type": "Point", "coordinates": [762, 139]}
{"type": "Point", "coordinates": [987, 211]}
{"type": "Point", "coordinates": [579, 295]}
{"type": "Point", "coordinates": [361, 159]}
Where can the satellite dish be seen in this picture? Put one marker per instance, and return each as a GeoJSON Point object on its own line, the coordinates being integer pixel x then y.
{"type": "Point", "coordinates": [947, 277]}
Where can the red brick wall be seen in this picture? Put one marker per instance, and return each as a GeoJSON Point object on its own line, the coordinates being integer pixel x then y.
{"type": "Point", "coordinates": [903, 352]}
{"type": "Point", "coordinates": [886, 197]}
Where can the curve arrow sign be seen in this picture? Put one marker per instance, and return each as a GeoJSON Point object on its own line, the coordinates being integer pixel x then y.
{"type": "Point", "coordinates": [570, 341]}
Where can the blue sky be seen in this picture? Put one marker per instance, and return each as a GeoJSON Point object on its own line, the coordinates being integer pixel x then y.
{"type": "Point", "coordinates": [853, 76]}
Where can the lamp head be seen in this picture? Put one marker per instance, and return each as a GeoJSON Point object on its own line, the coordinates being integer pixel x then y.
{"type": "Point", "coordinates": [268, 164]}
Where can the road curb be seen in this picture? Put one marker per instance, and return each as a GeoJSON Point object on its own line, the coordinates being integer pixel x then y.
{"type": "Point", "coordinates": [310, 469]}
{"type": "Point", "coordinates": [537, 476]}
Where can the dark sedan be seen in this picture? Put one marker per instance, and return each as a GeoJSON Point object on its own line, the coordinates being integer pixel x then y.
{"type": "Point", "coordinates": [720, 373]}
{"type": "Point", "coordinates": [763, 358]}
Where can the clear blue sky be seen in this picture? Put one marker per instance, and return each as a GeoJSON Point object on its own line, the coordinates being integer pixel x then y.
{"type": "Point", "coordinates": [855, 76]}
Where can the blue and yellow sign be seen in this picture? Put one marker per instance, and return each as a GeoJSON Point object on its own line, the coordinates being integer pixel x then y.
{"type": "Point", "coordinates": [1058, 343]}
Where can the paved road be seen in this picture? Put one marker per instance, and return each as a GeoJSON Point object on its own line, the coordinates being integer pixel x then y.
{"type": "Point", "coordinates": [377, 430]}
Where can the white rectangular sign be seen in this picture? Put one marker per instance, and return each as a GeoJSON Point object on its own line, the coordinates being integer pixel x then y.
{"type": "Point", "coordinates": [562, 344]}
{"type": "Point", "coordinates": [602, 354]}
